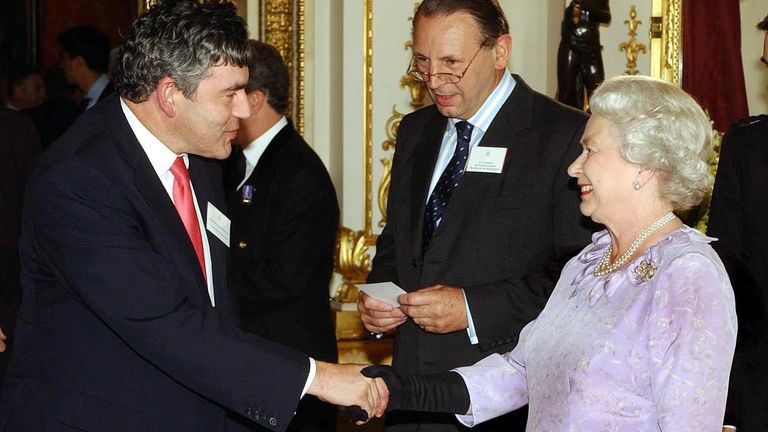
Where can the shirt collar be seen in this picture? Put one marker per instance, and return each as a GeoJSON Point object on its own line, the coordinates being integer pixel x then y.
{"type": "Point", "coordinates": [160, 156]}
{"type": "Point", "coordinates": [257, 147]}
{"type": "Point", "coordinates": [95, 91]}
{"type": "Point", "coordinates": [484, 116]}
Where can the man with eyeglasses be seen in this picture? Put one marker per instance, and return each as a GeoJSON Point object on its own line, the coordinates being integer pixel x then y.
{"type": "Point", "coordinates": [737, 217]}
{"type": "Point", "coordinates": [481, 214]}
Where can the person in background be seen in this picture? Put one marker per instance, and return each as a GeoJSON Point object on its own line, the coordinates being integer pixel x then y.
{"type": "Point", "coordinates": [737, 216]}
{"type": "Point", "coordinates": [481, 214]}
{"type": "Point", "coordinates": [26, 88]}
{"type": "Point", "coordinates": [19, 151]}
{"type": "Point", "coordinates": [127, 321]}
{"type": "Point", "coordinates": [84, 57]}
{"type": "Point", "coordinates": [640, 330]}
{"type": "Point", "coordinates": [284, 221]}
{"type": "Point", "coordinates": [57, 113]}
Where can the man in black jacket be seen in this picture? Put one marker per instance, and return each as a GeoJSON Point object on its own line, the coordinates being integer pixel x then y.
{"type": "Point", "coordinates": [737, 218]}
{"type": "Point", "coordinates": [284, 221]}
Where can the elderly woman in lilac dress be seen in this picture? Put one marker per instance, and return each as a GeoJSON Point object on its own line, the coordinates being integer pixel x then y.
{"type": "Point", "coordinates": [640, 330]}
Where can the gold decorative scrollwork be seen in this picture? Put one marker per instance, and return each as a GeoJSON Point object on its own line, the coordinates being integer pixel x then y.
{"type": "Point", "coordinates": [352, 261]}
{"type": "Point", "coordinates": [632, 47]}
{"type": "Point", "coordinates": [278, 27]}
{"type": "Point", "coordinates": [417, 89]}
{"type": "Point", "coordinates": [283, 27]}
{"type": "Point", "coordinates": [674, 46]}
{"type": "Point", "coordinates": [666, 40]}
{"type": "Point", "coordinates": [393, 123]}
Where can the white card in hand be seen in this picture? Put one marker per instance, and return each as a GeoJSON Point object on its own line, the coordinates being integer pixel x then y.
{"type": "Point", "coordinates": [384, 291]}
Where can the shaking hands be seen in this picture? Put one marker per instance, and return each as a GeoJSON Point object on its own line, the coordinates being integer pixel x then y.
{"type": "Point", "coordinates": [344, 385]}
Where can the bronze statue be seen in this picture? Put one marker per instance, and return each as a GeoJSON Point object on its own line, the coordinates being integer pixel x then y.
{"type": "Point", "coordinates": [579, 60]}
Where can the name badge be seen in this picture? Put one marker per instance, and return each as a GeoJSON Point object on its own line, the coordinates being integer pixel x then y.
{"type": "Point", "coordinates": [486, 159]}
{"type": "Point", "coordinates": [218, 224]}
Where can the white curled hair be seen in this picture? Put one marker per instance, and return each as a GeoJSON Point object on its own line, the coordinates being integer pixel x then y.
{"type": "Point", "coordinates": [664, 130]}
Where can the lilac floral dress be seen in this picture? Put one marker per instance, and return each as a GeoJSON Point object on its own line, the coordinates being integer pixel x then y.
{"type": "Point", "coordinates": [646, 348]}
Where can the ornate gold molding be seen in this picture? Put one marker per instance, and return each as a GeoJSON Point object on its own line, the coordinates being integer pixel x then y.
{"type": "Point", "coordinates": [632, 47]}
{"type": "Point", "coordinates": [282, 26]}
{"type": "Point", "coordinates": [352, 260]}
{"type": "Point", "coordinates": [666, 40]}
{"type": "Point", "coordinates": [368, 120]}
{"type": "Point", "coordinates": [393, 123]}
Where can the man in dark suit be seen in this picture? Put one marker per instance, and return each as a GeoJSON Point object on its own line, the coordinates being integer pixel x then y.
{"type": "Point", "coordinates": [84, 57]}
{"type": "Point", "coordinates": [19, 150]}
{"type": "Point", "coordinates": [126, 321]}
{"type": "Point", "coordinates": [284, 221]}
{"type": "Point", "coordinates": [476, 240]}
{"type": "Point", "coordinates": [737, 218]}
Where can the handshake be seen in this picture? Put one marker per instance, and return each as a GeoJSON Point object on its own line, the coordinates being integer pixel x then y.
{"type": "Point", "coordinates": [370, 391]}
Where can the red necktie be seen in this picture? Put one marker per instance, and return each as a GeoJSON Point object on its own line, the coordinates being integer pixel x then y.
{"type": "Point", "coordinates": [183, 200]}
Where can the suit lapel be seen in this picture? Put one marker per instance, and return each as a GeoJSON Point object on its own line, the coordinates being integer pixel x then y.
{"type": "Point", "coordinates": [513, 117]}
{"type": "Point", "coordinates": [426, 150]}
{"type": "Point", "coordinates": [273, 148]}
{"type": "Point", "coordinates": [153, 193]}
{"type": "Point", "coordinates": [205, 193]}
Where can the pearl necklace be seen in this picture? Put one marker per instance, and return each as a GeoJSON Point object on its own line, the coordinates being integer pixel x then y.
{"type": "Point", "coordinates": [604, 266]}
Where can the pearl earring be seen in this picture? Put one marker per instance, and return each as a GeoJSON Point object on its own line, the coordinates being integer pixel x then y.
{"type": "Point", "coordinates": [636, 185]}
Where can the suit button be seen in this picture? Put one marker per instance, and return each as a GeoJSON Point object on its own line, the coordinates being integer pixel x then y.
{"type": "Point", "coordinates": [242, 244]}
{"type": "Point", "coordinates": [273, 421]}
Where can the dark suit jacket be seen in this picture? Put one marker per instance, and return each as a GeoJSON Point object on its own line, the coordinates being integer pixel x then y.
{"type": "Point", "coordinates": [19, 150]}
{"type": "Point", "coordinates": [499, 235]}
{"type": "Point", "coordinates": [116, 331]}
{"type": "Point", "coordinates": [282, 247]}
{"type": "Point", "coordinates": [737, 217]}
{"type": "Point", "coordinates": [108, 90]}
{"type": "Point", "coordinates": [53, 117]}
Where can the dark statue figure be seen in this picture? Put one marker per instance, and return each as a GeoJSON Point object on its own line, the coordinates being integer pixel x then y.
{"type": "Point", "coordinates": [579, 61]}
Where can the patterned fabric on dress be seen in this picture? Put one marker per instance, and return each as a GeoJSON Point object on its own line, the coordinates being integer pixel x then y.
{"type": "Point", "coordinates": [621, 352]}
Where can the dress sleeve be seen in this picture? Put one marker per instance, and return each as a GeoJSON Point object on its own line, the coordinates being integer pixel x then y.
{"type": "Point", "coordinates": [497, 384]}
{"type": "Point", "coordinates": [691, 339]}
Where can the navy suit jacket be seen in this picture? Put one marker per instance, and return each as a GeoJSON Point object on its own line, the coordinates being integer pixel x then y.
{"type": "Point", "coordinates": [116, 331]}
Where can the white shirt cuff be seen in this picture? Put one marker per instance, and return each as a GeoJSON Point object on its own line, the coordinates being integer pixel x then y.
{"type": "Point", "coordinates": [470, 324]}
{"type": "Point", "coordinates": [310, 377]}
